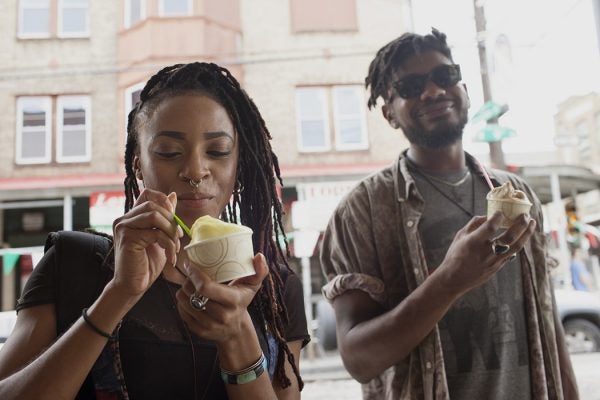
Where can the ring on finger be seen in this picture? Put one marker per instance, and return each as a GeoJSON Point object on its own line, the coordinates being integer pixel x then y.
{"type": "Point", "coordinates": [198, 302]}
{"type": "Point", "coordinates": [499, 248]}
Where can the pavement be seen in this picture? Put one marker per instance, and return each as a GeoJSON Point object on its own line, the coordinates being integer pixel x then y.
{"type": "Point", "coordinates": [325, 377]}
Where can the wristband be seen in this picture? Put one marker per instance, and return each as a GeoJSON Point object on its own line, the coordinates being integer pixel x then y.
{"type": "Point", "coordinates": [246, 375]}
{"type": "Point", "coordinates": [92, 326]}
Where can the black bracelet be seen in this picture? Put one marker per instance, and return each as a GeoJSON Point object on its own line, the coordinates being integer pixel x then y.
{"type": "Point", "coordinates": [94, 327]}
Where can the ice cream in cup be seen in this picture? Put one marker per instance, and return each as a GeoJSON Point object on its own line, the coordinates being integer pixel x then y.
{"type": "Point", "coordinates": [221, 249]}
{"type": "Point", "coordinates": [510, 202]}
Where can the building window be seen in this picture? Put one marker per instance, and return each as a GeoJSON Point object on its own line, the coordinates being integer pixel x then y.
{"type": "Point", "coordinates": [345, 103]}
{"type": "Point", "coordinates": [34, 129]}
{"type": "Point", "coordinates": [73, 19]}
{"type": "Point", "coordinates": [34, 19]}
{"type": "Point", "coordinates": [172, 8]}
{"type": "Point", "coordinates": [323, 16]}
{"type": "Point", "coordinates": [33, 139]}
{"type": "Point", "coordinates": [73, 129]}
{"type": "Point", "coordinates": [349, 118]}
{"type": "Point", "coordinates": [135, 11]}
{"type": "Point", "coordinates": [132, 96]}
{"type": "Point", "coordinates": [312, 119]}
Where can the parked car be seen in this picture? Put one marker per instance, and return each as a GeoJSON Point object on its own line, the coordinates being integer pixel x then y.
{"type": "Point", "coordinates": [579, 313]}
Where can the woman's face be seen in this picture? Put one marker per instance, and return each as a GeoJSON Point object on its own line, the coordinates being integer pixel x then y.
{"type": "Point", "coordinates": [189, 136]}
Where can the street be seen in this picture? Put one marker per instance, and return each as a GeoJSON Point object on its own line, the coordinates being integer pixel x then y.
{"type": "Point", "coordinates": [326, 379]}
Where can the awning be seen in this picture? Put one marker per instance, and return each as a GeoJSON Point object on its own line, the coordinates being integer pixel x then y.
{"type": "Point", "coordinates": [572, 180]}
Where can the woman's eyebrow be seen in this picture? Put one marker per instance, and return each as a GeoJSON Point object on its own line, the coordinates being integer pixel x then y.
{"type": "Point", "coordinates": [216, 134]}
{"type": "Point", "coordinates": [172, 134]}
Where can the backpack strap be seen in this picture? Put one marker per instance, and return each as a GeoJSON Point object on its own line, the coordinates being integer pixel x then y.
{"type": "Point", "coordinates": [81, 272]}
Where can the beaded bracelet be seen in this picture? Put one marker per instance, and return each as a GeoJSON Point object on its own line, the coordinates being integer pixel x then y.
{"type": "Point", "coordinates": [246, 375]}
{"type": "Point", "coordinates": [94, 327]}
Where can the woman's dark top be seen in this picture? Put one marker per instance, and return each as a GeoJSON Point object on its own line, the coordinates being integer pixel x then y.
{"type": "Point", "coordinates": [153, 346]}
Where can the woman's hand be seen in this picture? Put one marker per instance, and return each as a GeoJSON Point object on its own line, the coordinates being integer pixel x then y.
{"type": "Point", "coordinates": [145, 240]}
{"type": "Point", "coordinates": [470, 260]}
{"type": "Point", "coordinates": [226, 316]}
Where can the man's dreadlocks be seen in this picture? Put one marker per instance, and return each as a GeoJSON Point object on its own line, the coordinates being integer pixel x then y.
{"type": "Point", "coordinates": [393, 55]}
{"type": "Point", "coordinates": [258, 205]}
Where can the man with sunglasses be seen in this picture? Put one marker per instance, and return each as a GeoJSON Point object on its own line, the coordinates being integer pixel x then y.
{"type": "Point", "coordinates": [432, 300]}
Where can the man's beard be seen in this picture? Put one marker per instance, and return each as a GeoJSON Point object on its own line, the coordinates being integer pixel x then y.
{"type": "Point", "coordinates": [437, 138]}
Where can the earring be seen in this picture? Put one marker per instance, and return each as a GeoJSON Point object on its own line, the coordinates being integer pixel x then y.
{"type": "Point", "coordinates": [238, 188]}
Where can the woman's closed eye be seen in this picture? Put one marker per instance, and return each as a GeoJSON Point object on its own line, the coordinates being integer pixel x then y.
{"type": "Point", "coordinates": [167, 154]}
{"type": "Point", "coordinates": [219, 153]}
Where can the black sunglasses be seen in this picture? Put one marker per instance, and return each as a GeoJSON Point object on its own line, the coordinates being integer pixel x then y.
{"type": "Point", "coordinates": [444, 76]}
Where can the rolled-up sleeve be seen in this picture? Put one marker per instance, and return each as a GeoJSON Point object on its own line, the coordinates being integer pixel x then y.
{"type": "Point", "coordinates": [348, 252]}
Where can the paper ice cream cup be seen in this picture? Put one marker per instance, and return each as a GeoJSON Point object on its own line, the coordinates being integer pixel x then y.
{"type": "Point", "coordinates": [224, 258]}
{"type": "Point", "coordinates": [510, 210]}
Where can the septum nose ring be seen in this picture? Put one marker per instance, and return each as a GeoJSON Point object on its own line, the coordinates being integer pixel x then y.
{"type": "Point", "coordinates": [195, 184]}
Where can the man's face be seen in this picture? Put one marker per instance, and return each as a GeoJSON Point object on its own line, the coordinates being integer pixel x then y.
{"type": "Point", "coordinates": [435, 118]}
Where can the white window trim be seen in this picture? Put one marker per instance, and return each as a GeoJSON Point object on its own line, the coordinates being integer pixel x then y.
{"type": "Point", "coordinates": [23, 35]}
{"type": "Point", "coordinates": [46, 103]}
{"type": "Point", "coordinates": [127, 13]}
{"type": "Point", "coordinates": [128, 103]}
{"type": "Point", "coordinates": [68, 35]}
{"type": "Point", "coordinates": [339, 145]}
{"type": "Point", "coordinates": [86, 104]}
{"type": "Point", "coordinates": [327, 131]}
{"type": "Point", "coordinates": [161, 9]}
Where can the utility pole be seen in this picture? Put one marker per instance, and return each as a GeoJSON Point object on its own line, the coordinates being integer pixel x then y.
{"type": "Point", "coordinates": [496, 153]}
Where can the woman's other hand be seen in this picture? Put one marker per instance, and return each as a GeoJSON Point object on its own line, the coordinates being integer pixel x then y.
{"type": "Point", "coordinates": [225, 316]}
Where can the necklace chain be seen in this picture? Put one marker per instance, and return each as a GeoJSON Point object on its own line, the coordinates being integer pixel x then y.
{"type": "Point", "coordinates": [188, 334]}
{"type": "Point", "coordinates": [453, 184]}
{"type": "Point", "coordinates": [440, 191]}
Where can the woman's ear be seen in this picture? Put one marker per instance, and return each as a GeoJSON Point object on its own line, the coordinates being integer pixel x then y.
{"type": "Point", "coordinates": [137, 169]}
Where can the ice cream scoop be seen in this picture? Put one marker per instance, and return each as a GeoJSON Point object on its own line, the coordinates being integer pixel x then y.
{"type": "Point", "coordinates": [222, 249]}
{"type": "Point", "coordinates": [207, 227]}
{"type": "Point", "coordinates": [509, 201]}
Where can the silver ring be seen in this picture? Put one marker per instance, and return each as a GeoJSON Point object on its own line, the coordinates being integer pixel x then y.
{"type": "Point", "coordinates": [500, 248]}
{"type": "Point", "coordinates": [195, 184]}
{"type": "Point", "coordinates": [198, 302]}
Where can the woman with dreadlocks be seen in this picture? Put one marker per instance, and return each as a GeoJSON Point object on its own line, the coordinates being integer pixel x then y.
{"type": "Point", "coordinates": [104, 318]}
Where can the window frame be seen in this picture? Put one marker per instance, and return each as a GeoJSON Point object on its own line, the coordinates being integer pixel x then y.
{"type": "Point", "coordinates": [339, 145]}
{"type": "Point", "coordinates": [59, 21]}
{"type": "Point", "coordinates": [127, 14]}
{"type": "Point", "coordinates": [161, 9]}
{"type": "Point", "coordinates": [23, 35]}
{"type": "Point", "coordinates": [326, 121]}
{"type": "Point", "coordinates": [46, 102]}
{"type": "Point", "coordinates": [85, 102]}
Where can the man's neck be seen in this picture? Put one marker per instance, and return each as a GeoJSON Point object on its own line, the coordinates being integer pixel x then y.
{"type": "Point", "coordinates": [450, 158]}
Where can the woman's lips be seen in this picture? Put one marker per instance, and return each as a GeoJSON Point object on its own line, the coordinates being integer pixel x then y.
{"type": "Point", "coordinates": [195, 200]}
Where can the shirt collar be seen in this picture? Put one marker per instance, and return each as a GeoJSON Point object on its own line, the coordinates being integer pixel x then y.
{"type": "Point", "coordinates": [404, 180]}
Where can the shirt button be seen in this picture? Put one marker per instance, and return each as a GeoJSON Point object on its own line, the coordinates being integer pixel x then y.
{"type": "Point", "coordinates": [416, 271]}
{"type": "Point", "coordinates": [410, 224]}
{"type": "Point", "coordinates": [428, 365]}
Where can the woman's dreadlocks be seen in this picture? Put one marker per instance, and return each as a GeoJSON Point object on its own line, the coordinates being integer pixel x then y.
{"type": "Point", "coordinates": [393, 55]}
{"type": "Point", "coordinates": [258, 168]}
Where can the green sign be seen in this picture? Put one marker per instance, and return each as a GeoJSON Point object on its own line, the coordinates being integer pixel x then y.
{"type": "Point", "coordinates": [494, 133]}
{"type": "Point", "coordinates": [489, 110]}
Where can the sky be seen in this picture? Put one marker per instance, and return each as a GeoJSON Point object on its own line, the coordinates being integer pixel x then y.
{"type": "Point", "coordinates": [552, 55]}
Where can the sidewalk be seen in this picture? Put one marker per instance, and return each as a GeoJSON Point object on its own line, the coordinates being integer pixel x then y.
{"type": "Point", "coordinates": [325, 366]}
